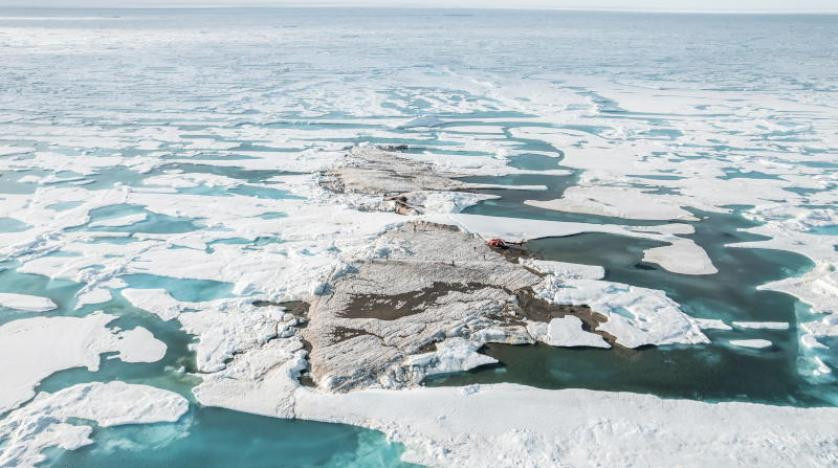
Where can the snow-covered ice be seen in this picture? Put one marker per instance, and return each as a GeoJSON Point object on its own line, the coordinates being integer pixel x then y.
{"type": "Point", "coordinates": [616, 202]}
{"type": "Point", "coordinates": [761, 325]}
{"type": "Point", "coordinates": [636, 316]}
{"type": "Point", "coordinates": [52, 419]}
{"type": "Point", "coordinates": [157, 301]}
{"type": "Point", "coordinates": [26, 302]}
{"type": "Point", "coordinates": [567, 332]}
{"type": "Point", "coordinates": [752, 343]}
{"type": "Point", "coordinates": [41, 346]}
{"type": "Point", "coordinates": [533, 427]}
{"type": "Point", "coordinates": [565, 271]}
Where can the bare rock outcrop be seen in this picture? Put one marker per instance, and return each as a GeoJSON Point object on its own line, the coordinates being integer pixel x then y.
{"type": "Point", "coordinates": [438, 296]}
{"type": "Point", "coordinates": [385, 180]}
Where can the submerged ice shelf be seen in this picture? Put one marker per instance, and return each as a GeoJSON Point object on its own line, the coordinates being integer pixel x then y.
{"type": "Point", "coordinates": [168, 225]}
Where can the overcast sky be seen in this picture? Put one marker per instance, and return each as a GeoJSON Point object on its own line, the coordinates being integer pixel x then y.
{"type": "Point", "coordinates": [800, 6]}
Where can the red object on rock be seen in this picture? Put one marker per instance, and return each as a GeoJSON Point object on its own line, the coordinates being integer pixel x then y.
{"type": "Point", "coordinates": [497, 243]}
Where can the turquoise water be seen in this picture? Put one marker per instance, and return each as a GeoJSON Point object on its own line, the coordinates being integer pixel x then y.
{"type": "Point", "coordinates": [207, 436]}
{"type": "Point", "coordinates": [830, 230]}
{"type": "Point", "coordinates": [218, 437]}
{"type": "Point", "coordinates": [247, 175]}
{"type": "Point", "coordinates": [182, 289]}
{"type": "Point", "coordinates": [715, 372]}
{"type": "Point", "coordinates": [62, 206]}
{"type": "Point", "coordinates": [245, 190]}
{"type": "Point", "coordinates": [12, 225]}
{"type": "Point", "coordinates": [62, 292]}
{"type": "Point", "coordinates": [155, 223]}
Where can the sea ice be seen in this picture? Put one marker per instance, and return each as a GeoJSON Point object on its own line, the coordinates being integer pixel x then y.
{"type": "Point", "coordinates": [55, 419]}
{"type": "Point", "coordinates": [26, 302]}
{"type": "Point", "coordinates": [681, 256]}
{"type": "Point", "coordinates": [222, 334]}
{"type": "Point", "coordinates": [563, 270]}
{"type": "Point", "coordinates": [567, 332]}
{"type": "Point", "coordinates": [754, 343]}
{"type": "Point", "coordinates": [761, 325]}
{"type": "Point", "coordinates": [452, 355]}
{"type": "Point", "coordinates": [157, 301]}
{"type": "Point", "coordinates": [616, 202]}
{"type": "Point", "coordinates": [712, 324]}
{"type": "Point", "coordinates": [704, 150]}
{"type": "Point", "coordinates": [511, 425]}
{"type": "Point", "coordinates": [94, 296]}
{"type": "Point", "coordinates": [120, 221]}
{"type": "Point", "coordinates": [635, 316]}
{"type": "Point", "coordinates": [44, 345]}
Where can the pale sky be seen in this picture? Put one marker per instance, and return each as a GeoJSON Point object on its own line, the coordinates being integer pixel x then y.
{"type": "Point", "coordinates": [796, 6]}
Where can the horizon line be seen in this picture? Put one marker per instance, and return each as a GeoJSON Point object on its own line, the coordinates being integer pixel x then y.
{"type": "Point", "coordinates": [176, 6]}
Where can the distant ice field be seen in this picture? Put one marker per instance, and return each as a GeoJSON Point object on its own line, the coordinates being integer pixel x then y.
{"type": "Point", "coordinates": [159, 172]}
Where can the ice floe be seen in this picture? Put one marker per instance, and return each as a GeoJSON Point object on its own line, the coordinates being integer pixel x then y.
{"type": "Point", "coordinates": [566, 332]}
{"type": "Point", "coordinates": [616, 202]}
{"type": "Point", "coordinates": [635, 316]}
{"type": "Point", "coordinates": [513, 425]}
{"type": "Point", "coordinates": [120, 221]}
{"type": "Point", "coordinates": [94, 296]}
{"type": "Point", "coordinates": [72, 342]}
{"type": "Point", "coordinates": [761, 325]}
{"type": "Point", "coordinates": [712, 324]}
{"type": "Point", "coordinates": [26, 302]}
{"type": "Point", "coordinates": [157, 301]}
{"type": "Point", "coordinates": [681, 256]}
{"type": "Point", "coordinates": [818, 288]}
{"type": "Point", "coordinates": [452, 355]}
{"type": "Point", "coordinates": [225, 333]}
{"type": "Point", "coordinates": [753, 343]}
{"type": "Point", "coordinates": [62, 419]}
